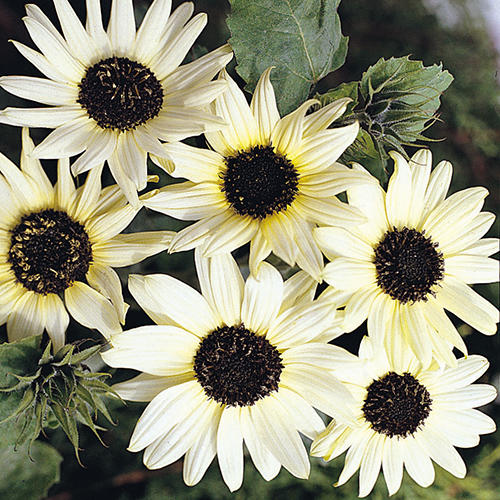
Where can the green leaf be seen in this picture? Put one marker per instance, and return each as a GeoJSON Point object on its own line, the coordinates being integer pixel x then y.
{"type": "Point", "coordinates": [401, 98]}
{"type": "Point", "coordinates": [343, 90]}
{"type": "Point", "coordinates": [18, 358]}
{"type": "Point", "coordinates": [301, 38]}
{"type": "Point", "coordinates": [364, 151]}
{"type": "Point", "coordinates": [28, 477]}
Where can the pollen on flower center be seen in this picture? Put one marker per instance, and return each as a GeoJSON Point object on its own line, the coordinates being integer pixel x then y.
{"type": "Point", "coordinates": [120, 94]}
{"type": "Point", "coordinates": [49, 251]}
{"type": "Point", "coordinates": [396, 405]}
{"type": "Point", "coordinates": [259, 182]}
{"type": "Point", "coordinates": [236, 367]}
{"type": "Point", "coordinates": [408, 265]}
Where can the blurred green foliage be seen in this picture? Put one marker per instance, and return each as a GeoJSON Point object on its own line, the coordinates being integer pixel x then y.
{"type": "Point", "coordinates": [470, 126]}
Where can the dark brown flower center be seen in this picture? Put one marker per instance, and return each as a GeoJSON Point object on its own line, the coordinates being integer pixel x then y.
{"type": "Point", "coordinates": [49, 251]}
{"type": "Point", "coordinates": [397, 405]}
{"type": "Point", "coordinates": [259, 182]}
{"type": "Point", "coordinates": [120, 94]}
{"type": "Point", "coordinates": [408, 265]}
{"type": "Point", "coordinates": [237, 367]}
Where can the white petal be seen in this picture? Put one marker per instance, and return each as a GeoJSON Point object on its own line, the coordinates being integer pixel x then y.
{"type": "Point", "coordinates": [95, 28]}
{"type": "Point", "coordinates": [287, 134]}
{"type": "Point", "coordinates": [438, 186]}
{"type": "Point", "coordinates": [109, 224]}
{"type": "Point", "coordinates": [337, 241]}
{"type": "Point", "coordinates": [200, 70]}
{"type": "Point", "coordinates": [468, 305]}
{"type": "Point", "coordinates": [299, 288]}
{"type": "Point", "coordinates": [443, 453]}
{"type": "Point", "coordinates": [358, 307]}
{"type": "Point", "coordinates": [328, 211]}
{"type": "Point", "coordinates": [157, 349]}
{"type": "Point", "coordinates": [26, 318]}
{"type": "Point", "coordinates": [170, 59]}
{"type": "Point", "coordinates": [163, 413]}
{"type": "Point", "coordinates": [309, 256]}
{"type": "Point", "coordinates": [417, 462]}
{"type": "Point", "coordinates": [320, 151]}
{"type": "Point", "coordinates": [127, 249]}
{"type": "Point", "coordinates": [264, 461]}
{"type": "Point", "coordinates": [399, 193]}
{"type": "Point", "coordinates": [272, 423]}
{"type": "Point", "coordinates": [189, 201]}
{"type": "Point", "coordinates": [91, 309]}
{"type": "Point", "coordinates": [438, 319]}
{"type": "Point", "coordinates": [235, 232]}
{"type": "Point", "coordinates": [370, 465]}
{"type": "Point", "coordinates": [304, 417]}
{"type": "Point", "coordinates": [278, 232]}
{"type": "Point", "coordinates": [230, 447]}
{"type": "Point", "coordinates": [323, 117]}
{"type": "Point", "coordinates": [195, 234]}
{"type": "Point", "coordinates": [78, 40]}
{"type": "Point", "coordinates": [420, 166]}
{"type": "Point", "coordinates": [41, 63]}
{"type": "Point", "coordinates": [349, 274]}
{"type": "Point", "coordinates": [413, 322]}
{"type": "Point", "coordinates": [264, 108]}
{"type": "Point", "coordinates": [301, 323]}
{"type": "Point", "coordinates": [121, 27]}
{"type": "Point", "coordinates": [149, 34]}
{"type": "Point", "coordinates": [484, 247]}
{"type": "Point", "coordinates": [69, 139]}
{"type": "Point", "coordinates": [392, 465]}
{"type": "Point", "coordinates": [468, 397]}
{"type": "Point", "coordinates": [87, 196]}
{"type": "Point", "coordinates": [107, 282]}
{"type": "Point", "coordinates": [201, 453]}
{"type": "Point", "coordinates": [194, 164]}
{"type": "Point", "coordinates": [99, 149]}
{"type": "Point", "coordinates": [472, 269]}
{"type": "Point", "coordinates": [165, 296]}
{"type": "Point", "coordinates": [320, 389]}
{"type": "Point", "coordinates": [262, 298]}
{"type": "Point", "coordinates": [454, 212]}
{"type": "Point", "coordinates": [259, 251]}
{"type": "Point", "coordinates": [40, 90]}
{"type": "Point", "coordinates": [222, 285]}
{"type": "Point", "coordinates": [56, 320]}
{"type": "Point", "coordinates": [54, 50]}
{"type": "Point", "coordinates": [145, 387]}
{"type": "Point", "coordinates": [40, 117]}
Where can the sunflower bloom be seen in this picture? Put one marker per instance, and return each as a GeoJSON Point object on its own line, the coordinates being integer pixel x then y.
{"type": "Point", "coordinates": [413, 258]}
{"type": "Point", "coordinates": [114, 94]}
{"type": "Point", "coordinates": [269, 180]}
{"type": "Point", "coordinates": [408, 415]}
{"type": "Point", "coordinates": [58, 247]}
{"type": "Point", "coordinates": [250, 366]}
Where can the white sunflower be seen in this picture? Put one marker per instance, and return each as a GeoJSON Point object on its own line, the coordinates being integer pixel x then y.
{"type": "Point", "coordinates": [413, 258]}
{"type": "Point", "coordinates": [115, 94]}
{"type": "Point", "coordinates": [269, 180]}
{"type": "Point", "coordinates": [408, 415]}
{"type": "Point", "coordinates": [58, 245]}
{"type": "Point", "coordinates": [241, 362]}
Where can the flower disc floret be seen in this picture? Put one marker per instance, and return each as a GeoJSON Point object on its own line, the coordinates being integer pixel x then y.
{"type": "Point", "coordinates": [120, 94]}
{"type": "Point", "coordinates": [49, 251]}
{"type": "Point", "coordinates": [408, 265]}
{"type": "Point", "coordinates": [259, 182]}
{"type": "Point", "coordinates": [236, 367]}
{"type": "Point", "coordinates": [396, 405]}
